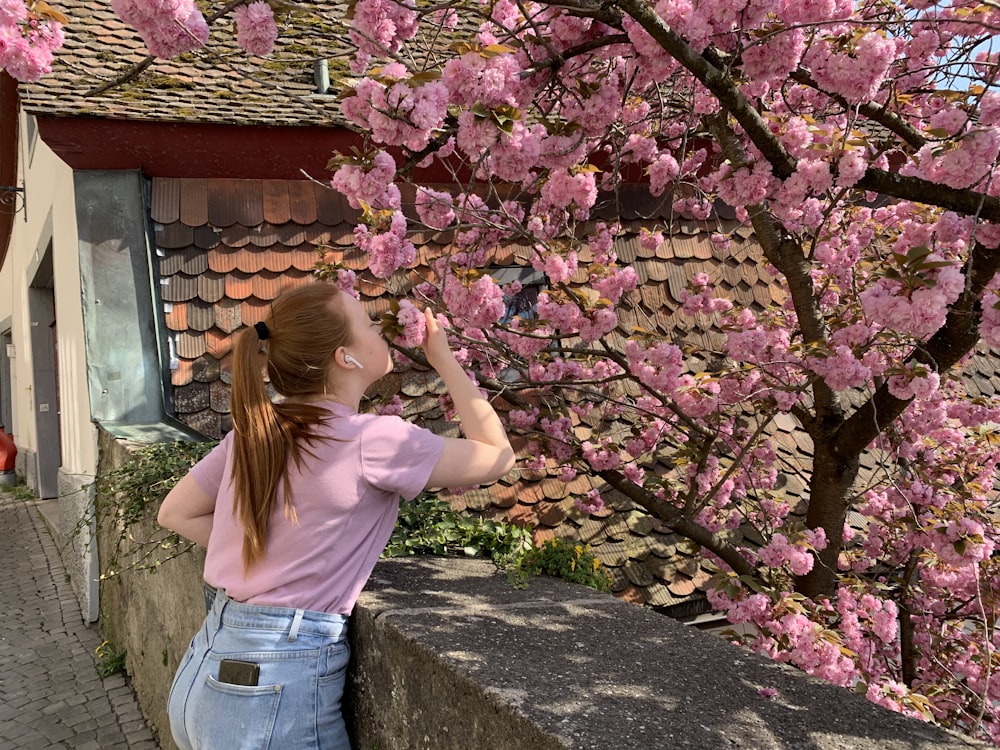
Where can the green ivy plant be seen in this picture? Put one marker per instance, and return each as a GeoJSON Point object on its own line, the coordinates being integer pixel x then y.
{"type": "Point", "coordinates": [124, 496]}
{"type": "Point", "coordinates": [430, 526]}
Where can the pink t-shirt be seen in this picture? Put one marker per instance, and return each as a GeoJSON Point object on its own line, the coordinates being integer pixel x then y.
{"type": "Point", "coordinates": [346, 501]}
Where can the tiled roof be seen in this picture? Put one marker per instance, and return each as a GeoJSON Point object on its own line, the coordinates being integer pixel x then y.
{"type": "Point", "coordinates": [226, 248]}
{"type": "Point", "coordinates": [220, 84]}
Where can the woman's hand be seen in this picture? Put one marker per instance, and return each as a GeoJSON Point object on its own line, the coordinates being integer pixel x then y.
{"type": "Point", "coordinates": [436, 347]}
{"type": "Point", "coordinates": [485, 454]}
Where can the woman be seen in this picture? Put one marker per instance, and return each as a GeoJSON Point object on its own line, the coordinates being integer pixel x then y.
{"type": "Point", "coordinates": [295, 506]}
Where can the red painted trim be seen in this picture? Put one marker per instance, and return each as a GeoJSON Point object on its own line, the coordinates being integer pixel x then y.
{"type": "Point", "coordinates": [178, 149]}
{"type": "Point", "coordinates": [8, 151]}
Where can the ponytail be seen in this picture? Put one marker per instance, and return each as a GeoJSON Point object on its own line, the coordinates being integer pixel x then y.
{"type": "Point", "coordinates": [296, 342]}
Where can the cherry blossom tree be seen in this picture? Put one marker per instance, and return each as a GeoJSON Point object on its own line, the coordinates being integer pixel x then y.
{"type": "Point", "coordinates": [29, 35]}
{"type": "Point", "coordinates": [858, 139]}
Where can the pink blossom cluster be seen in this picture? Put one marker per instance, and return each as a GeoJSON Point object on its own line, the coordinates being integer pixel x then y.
{"type": "Point", "coordinates": [392, 408]}
{"type": "Point", "coordinates": [841, 369]}
{"type": "Point", "coordinates": [918, 312]}
{"type": "Point", "coordinates": [914, 382]}
{"type": "Point", "coordinates": [592, 502]}
{"type": "Point", "coordinates": [699, 297]}
{"type": "Point", "coordinates": [962, 541]}
{"type": "Point", "coordinates": [858, 74]}
{"type": "Point", "coordinates": [28, 41]}
{"type": "Point", "coordinates": [527, 339]}
{"type": "Point", "coordinates": [559, 267]}
{"type": "Point", "coordinates": [658, 367]}
{"type": "Point", "coordinates": [395, 112]}
{"type": "Point", "coordinates": [565, 189]}
{"type": "Point", "coordinates": [863, 615]}
{"type": "Point", "coordinates": [989, 325]}
{"type": "Point", "coordinates": [601, 456]}
{"type": "Point", "coordinates": [379, 28]}
{"type": "Point", "coordinates": [412, 323]}
{"type": "Point", "coordinates": [387, 246]}
{"type": "Point", "coordinates": [780, 551]}
{"type": "Point", "coordinates": [560, 436]}
{"type": "Point", "coordinates": [515, 156]}
{"type": "Point", "coordinates": [613, 283]}
{"type": "Point", "coordinates": [347, 282]}
{"type": "Point", "coordinates": [488, 80]}
{"type": "Point", "coordinates": [591, 324]}
{"type": "Point", "coordinates": [601, 242]}
{"type": "Point", "coordinates": [746, 186]}
{"type": "Point", "coordinates": [777, 55]}
{"type": "Point", "coordinates": [969, 159]}
{"type": "Point", "coordinates": [597, 323]}
{"type": "Point", "coordinates": [435, 208]}
{"type": "Point", "coordinates": [478, 303]}
{"type": "Point", "coordinates": [168, 27]}
{"type": "Point", "coordinates": [371, 183]}
{"type": "Point", "coordinates": [256, 29]}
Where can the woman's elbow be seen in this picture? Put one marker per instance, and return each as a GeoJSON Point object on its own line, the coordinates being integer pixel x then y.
{"type": "Point", "coordinates": [505, 462]}
{"type": "Point", "coordinates": [168, 516]}
{"type": "Point", "coordinates": [164, 517]}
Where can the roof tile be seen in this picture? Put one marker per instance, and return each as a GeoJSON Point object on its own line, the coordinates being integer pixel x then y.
{"type": "Point", "coordinates": [206, 237]}
{"type": "Point", "coordinates": [211, 286]}
{"type": "Point", "coordinates": [302, 202]}
{"type": "Point", "coordinates": [219, 398]}
{"type": "Point", "coordinates": [173, 235]}
{"type": "Point", "coordinates": [192, 87]}
{"type": "Point", "coordinates": [175, 316]}
{"type": "Point", "coordinates": [206, 369]}
{"type": "Point", "coordinates": [218, 344]}
{"type": "Point", "coordinates": [276, 202]}
{"type": "Point", "coordinates": [165, 203]}
{"type": "Point", "coordinates": [194, 202]}
{"type": "Point", "coordinates": [182, 374]}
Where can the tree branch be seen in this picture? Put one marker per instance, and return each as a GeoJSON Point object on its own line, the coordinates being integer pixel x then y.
{"type": "Point", "coordinates": [716, 80]}
{"type": "Point", "coordinates": [955, 339]}
{"type": "Point", "coordinates": [875, 112]}
{"type": "Point", "coordinates": [679, 523]}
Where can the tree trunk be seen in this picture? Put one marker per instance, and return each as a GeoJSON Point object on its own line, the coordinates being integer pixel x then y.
{"type": "Point", "coordinates": [830, 495]}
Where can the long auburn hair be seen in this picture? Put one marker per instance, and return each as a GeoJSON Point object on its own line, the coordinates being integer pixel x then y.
{"type": "Point", "coordinates": [305, 327]}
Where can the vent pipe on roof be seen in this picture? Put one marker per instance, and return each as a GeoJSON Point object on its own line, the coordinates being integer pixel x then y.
{"type": "Point", "coordinates": [321, 76]}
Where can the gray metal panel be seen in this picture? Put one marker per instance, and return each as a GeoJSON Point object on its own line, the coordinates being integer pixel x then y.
{"type": "Point", "coordinates": [124, 371]}
{"type": "Point", "coordinates": [155, 432]}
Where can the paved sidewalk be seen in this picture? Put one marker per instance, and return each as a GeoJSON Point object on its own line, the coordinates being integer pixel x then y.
{"type": "Point", "coordinates": [50, 693]}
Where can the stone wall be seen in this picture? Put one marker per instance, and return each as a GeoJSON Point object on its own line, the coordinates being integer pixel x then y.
{"type": "Point", "coordinates": [448, 655]}
{"type": "Point", "coordinates": [152, 615]}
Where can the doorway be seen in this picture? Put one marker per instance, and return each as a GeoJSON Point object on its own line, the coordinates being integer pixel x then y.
{"type": "Point", "coordinates": [45, 377]}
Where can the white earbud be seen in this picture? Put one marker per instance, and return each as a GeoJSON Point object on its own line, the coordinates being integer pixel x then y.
{"type": "Point", "coordinates": [353, 361]}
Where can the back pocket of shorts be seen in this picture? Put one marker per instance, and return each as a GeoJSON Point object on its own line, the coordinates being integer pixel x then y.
{"type": "Point", "coordinates": [235, 717]}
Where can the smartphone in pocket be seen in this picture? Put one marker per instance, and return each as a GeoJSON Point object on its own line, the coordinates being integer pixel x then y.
{"type": "Point", "coordinates": [236, 672]}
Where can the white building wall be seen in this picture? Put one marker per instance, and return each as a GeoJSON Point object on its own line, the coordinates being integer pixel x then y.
{"type": "Point", "coordinates": [41, 274]}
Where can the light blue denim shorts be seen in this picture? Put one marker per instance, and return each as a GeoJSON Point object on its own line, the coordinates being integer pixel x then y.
{"type": "Point", "coordinates": [296, 703]}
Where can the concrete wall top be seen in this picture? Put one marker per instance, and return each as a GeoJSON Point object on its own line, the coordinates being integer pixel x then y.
{"type": "Point", "coordinates": [590, 671]}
